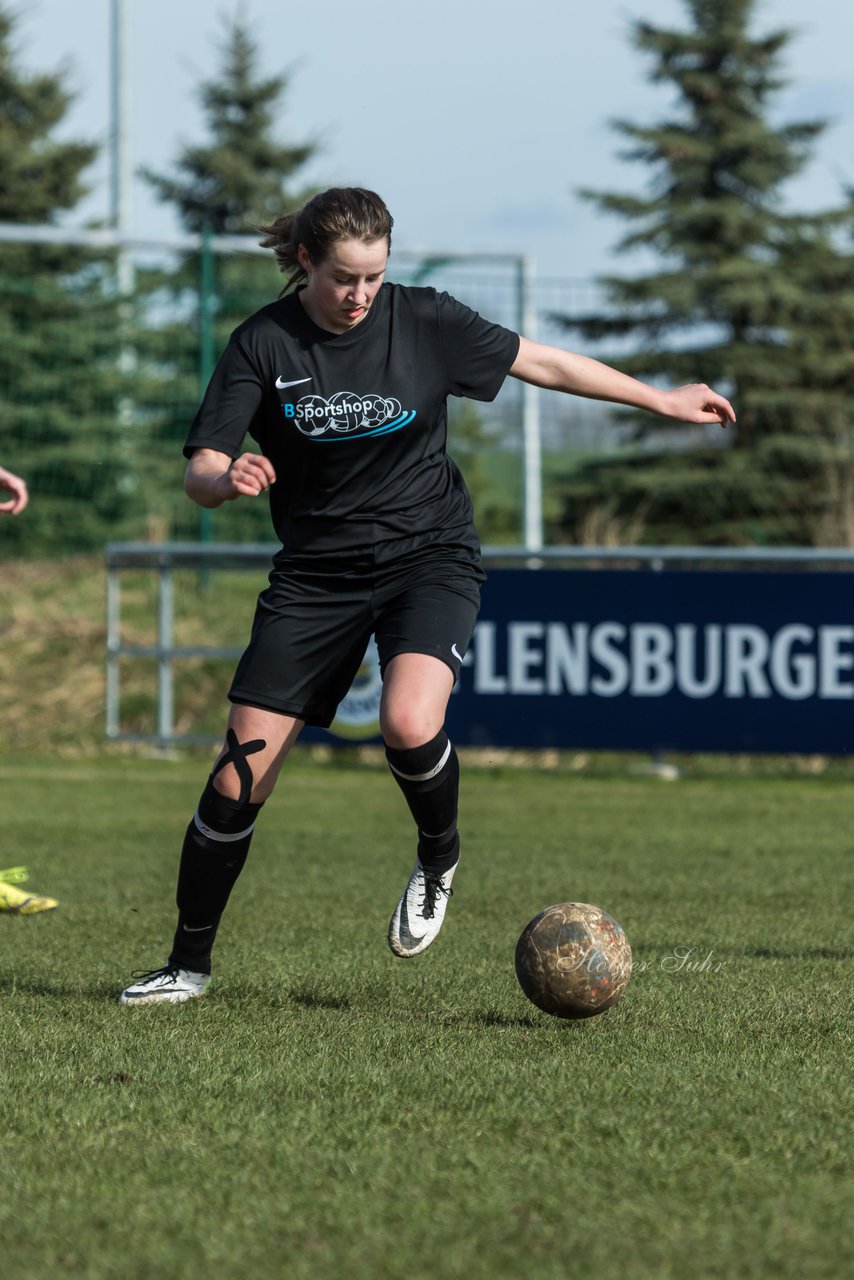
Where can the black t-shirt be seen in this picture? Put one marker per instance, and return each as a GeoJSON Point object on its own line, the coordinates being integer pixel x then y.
{"type": "Point", "coordinates": [355, 423]}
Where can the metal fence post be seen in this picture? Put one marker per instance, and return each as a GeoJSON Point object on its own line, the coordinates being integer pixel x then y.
{"type": "Point", "coordinates": [207, 355]}
{"type": "Point", "coordinates": [114, 639]}
{"type": "Point", "coordinates": [165, 684]}
{"type": "Point", "coordinates": [531, 441]}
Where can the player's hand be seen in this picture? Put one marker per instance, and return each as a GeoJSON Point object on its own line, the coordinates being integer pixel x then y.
{"type": "Point", "coordinates": [698, 403]}
{"type": "Point", "coordinates": [248, 476]}
{"type": "Point", "coordinates": [20, 497]}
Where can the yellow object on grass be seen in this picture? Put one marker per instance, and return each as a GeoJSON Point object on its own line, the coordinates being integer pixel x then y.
{"type": "Point", "coordinates": [19, 901]}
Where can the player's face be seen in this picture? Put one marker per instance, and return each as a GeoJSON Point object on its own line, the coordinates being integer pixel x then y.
{"type": "Point", "coordinates": [342, 287]}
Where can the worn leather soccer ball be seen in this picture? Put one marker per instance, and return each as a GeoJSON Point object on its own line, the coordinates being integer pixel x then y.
{"type": "Point", "coordinates": [573, 960]}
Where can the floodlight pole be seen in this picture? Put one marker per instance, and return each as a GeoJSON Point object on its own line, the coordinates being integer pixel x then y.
{"type": "Point", "coordinates": [120, 175]}
{"type": "Point", "coordinates": [120, 209]}
{"type": "Point", "coordinates": [531, 437]}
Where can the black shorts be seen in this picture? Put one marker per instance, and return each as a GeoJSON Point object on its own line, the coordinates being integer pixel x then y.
{"type": "Point", "coordinates": [313, 624]}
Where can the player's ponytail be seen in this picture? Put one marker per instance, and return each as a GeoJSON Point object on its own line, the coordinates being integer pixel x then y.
{"type": "Point", "coordinates": [341, 213]}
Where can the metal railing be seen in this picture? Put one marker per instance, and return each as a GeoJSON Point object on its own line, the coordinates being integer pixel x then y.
{"type": "Point", "coordinates": [165, 558]}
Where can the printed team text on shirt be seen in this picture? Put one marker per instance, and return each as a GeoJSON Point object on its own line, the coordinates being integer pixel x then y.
{"type": "Point", "coordinates": [347, 415]}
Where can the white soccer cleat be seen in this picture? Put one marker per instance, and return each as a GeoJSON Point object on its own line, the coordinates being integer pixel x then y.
{"type": "Point", "coordinates": [169, 985]}
{"type": "Point", "coordinates": [421, 911]}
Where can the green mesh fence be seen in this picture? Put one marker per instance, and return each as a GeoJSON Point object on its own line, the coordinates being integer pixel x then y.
{"type": "Point", "coordinates": [97, 392]}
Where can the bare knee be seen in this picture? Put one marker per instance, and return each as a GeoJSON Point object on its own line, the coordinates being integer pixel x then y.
{"type": "Point", "coordinates": [415, 694]}
{"type": "Point", "coordinates": [410, 725]}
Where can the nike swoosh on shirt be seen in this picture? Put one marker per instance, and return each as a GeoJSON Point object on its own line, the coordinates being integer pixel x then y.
{"type": "Point", "coordinates": [280, 385]}
{"type": "Point", "coordinates": [456, 654]}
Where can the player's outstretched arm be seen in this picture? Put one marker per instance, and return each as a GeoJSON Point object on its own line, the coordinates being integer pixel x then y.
{"type": "Point", "coordinates": [559, 370]}
{"type": "Point", "coordinates": [212, 478]}
{"type": "Point", "coordinates": [15, 485]}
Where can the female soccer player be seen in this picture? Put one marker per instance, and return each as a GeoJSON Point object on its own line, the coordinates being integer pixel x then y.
{"type": "Point", "coordinates": [343, 385]}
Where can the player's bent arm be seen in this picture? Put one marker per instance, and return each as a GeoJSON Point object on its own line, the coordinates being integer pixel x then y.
{"type": "Point", "coordinates": [559, 370]}
{"type": "Point", "coordinates": [212, 478]}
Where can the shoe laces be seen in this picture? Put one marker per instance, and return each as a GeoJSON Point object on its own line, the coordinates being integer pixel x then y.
{"type": "Point", "coordinates": [432, 888]}
{"type": "Point", "coordinates": [169, 972]}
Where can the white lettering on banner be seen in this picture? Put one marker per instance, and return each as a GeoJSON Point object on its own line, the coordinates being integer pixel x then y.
{"type": "Point", "coordinates": [566, 659]}
{"type": "Point", "coordinates": [652, 668]}
{"type": "Point", "coordinates": [485, 680]}
{"type": "Point", "coordinates": [523, 657]}
{"type": "Point", "coordinates": [746, 655]}
{"type": "Point", "coordinates": [832, 661]}
{"type": "Point", "coordinates": [650, 660]}
{"type": "Point", "coordinates": [603, 640]}
{"type": "Point", "coordinates": [688, 680]}
{"type": "Point", "coordinates": [793, 675]}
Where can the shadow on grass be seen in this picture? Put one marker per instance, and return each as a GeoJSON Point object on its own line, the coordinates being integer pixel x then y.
{"type": "Point", "coordinates": [487, 1019]}
{"type": "Point", "coordinates": [344, 1004]}
{"type": "Point", "coordinates": [101, 992]}
{"type": "Point", "coordinates": [499, 1020]}
{"type": "Point", "coordinates": [805, 953]}
{"type": "Point", "coordinates": [672, 954]}
{"type": "Point", "coordinates": [13, 986]}
{"type": "Point", "coordinates": [312, 1000]}
{"type": "Point", "coordinates": [308, 1000]}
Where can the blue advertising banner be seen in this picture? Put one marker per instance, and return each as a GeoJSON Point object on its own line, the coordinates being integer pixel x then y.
{"type": "Point", "coordinates": [650, 661]}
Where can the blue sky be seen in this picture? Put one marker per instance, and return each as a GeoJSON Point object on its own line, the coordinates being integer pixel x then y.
{"type": "Point", "coordinates": [477, 120]}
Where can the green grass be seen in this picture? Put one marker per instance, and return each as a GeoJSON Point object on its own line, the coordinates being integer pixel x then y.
{"type": "Point", "coordinates": [330, 1111]}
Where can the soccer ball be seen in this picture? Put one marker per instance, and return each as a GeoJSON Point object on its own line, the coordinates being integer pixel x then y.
{"type": "Point", "coordinates": [573, 960]}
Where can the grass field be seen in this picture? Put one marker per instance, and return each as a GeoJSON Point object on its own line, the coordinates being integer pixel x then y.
{"type": "Point", "coordinates": [329, 1111]}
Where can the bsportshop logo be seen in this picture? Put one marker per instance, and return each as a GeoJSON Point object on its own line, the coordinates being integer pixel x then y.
{"type": "Point", "coordinates": [346, 415]}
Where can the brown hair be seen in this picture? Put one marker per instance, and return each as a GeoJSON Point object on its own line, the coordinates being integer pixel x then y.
{"type": "Point", "coordinates": [341, 213]}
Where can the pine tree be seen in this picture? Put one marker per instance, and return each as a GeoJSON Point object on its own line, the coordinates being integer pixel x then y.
{"type": "Point", "coordinates": [751, 299]}
{"type": "Point", "coordinates": [240, 178]}
{"type": "Point", "coordinates": [41, 176]}
{"type": "Point", "coordinates": [58, 380]}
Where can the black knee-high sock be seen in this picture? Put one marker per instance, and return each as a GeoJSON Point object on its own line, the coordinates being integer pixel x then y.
{"type": "Point", "coordinates": [215, 848]}
{"type": "Point", "coordinates": [429, 777]}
